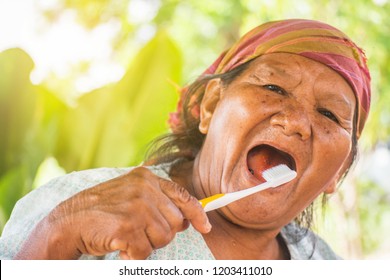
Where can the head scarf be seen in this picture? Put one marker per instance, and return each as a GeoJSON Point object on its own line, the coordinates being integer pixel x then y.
{"type": "Point", "coordinates": [311, 39]}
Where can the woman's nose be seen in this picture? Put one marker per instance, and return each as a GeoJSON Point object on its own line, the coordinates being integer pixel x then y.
{"type": "Point", "coordinates": [293, 121]}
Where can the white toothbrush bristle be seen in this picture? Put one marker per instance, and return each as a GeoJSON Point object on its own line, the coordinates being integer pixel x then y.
{"type": "Point", "coordinates": [278, 171]}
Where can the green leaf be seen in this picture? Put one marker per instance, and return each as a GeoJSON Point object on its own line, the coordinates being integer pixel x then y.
{"type": "Point", "coordinates": [111, 126]}
{"type": "Point", "coordinates": [29, 124]}
{"type": "Point", "coordinates": [17, 101]}
{"type": "Point", "coordinates": [13, 185]}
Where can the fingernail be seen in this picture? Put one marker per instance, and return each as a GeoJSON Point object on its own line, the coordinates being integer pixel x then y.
{"type": "Point", "coordinates": [208, 226]}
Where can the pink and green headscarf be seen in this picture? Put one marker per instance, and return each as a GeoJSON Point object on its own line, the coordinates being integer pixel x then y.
{"type": "Point", "coordinates": [311, 39]}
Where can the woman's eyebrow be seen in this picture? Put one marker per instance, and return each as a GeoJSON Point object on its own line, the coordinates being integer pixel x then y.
{"type": "Point", "coordinates": [270, 70]}
{"type": "Point", "coordinates": [338, 98]}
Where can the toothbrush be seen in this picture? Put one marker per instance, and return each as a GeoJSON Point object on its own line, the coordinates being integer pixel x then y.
{"type": "Point", "coordinates": [274, 176]}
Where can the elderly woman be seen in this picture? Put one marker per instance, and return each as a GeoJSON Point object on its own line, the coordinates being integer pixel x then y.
{"type": "Point", "coordinates": [295, 92]}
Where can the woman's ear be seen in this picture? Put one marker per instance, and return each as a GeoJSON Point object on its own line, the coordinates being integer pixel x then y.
{"type": "Point", "coordinates": [210, 100]}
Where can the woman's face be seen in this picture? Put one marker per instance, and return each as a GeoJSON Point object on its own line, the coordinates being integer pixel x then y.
{"type": "Point", "coordinates": [283, 108]}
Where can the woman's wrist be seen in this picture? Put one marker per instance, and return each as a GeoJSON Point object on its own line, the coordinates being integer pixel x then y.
{"type": "Point", "coordinates": [49, 240]}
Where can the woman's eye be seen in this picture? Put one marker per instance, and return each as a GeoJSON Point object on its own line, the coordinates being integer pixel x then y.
{"type": "Point", "coordinates": [276, 89]}
{"type": "Point", "coordinates": [329, 115]}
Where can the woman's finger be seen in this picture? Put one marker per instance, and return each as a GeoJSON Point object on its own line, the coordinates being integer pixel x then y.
{"type": "Point", "coordinates": [158, 230]}
{"type": "Point", "coordinates": [139, 247]}
{"type": "Point", "coordinates": [188, 205]}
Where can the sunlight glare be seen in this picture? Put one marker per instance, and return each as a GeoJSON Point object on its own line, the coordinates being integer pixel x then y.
{"type": "Point", "coordinates": [59, 47]}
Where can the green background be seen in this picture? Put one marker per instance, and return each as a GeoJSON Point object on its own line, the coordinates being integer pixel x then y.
{"type": "Point", "coordinates": [49, 128]}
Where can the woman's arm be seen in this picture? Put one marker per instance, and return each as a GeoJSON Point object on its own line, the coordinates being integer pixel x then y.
{"type": "Point", "coordinates": [134, 213]}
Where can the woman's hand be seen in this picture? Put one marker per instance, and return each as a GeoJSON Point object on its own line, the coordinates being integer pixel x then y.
{"type": "Point", "coordinates": [134, 213]}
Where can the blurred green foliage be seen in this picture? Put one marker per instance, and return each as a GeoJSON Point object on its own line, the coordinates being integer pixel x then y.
{"type": "Point", "coordinates": [30, 119]}
{"type": "Point", "coordinates": [111, 126]}
{"type": "Point", "coordinates": [373, 205]}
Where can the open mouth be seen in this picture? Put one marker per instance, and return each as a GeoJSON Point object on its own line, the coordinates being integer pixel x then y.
{"type": "Point", "coordinates": [263, 157]}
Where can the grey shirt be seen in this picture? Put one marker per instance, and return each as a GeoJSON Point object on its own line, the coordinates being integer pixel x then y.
{"type": "Point", "coordinates": [189, 244]}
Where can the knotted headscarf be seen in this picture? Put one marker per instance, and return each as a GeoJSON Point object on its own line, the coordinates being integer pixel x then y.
{"type": "Point", "coordinates": [312, 39]}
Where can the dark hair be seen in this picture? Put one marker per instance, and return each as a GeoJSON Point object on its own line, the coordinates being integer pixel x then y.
{"type": "Point", "coordinates": [186, 142]}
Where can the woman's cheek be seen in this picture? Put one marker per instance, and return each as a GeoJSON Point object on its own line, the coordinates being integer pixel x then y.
{"type": "Point", "coordinates": [334, 151]}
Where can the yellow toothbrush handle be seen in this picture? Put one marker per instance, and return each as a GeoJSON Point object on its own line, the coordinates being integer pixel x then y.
{"type": "Point", "coordinates": [207, 200]}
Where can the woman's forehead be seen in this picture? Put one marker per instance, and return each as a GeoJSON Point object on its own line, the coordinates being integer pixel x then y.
{"type": "Point", "coordinates": [290, 66]}
{"type": "Point", "coordinates": [287, 63]}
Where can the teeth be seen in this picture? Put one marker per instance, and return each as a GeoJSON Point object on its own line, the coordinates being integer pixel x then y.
{"type": "Point", "coordinates": [263, 157]}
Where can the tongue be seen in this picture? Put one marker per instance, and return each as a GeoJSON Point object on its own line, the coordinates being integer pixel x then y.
{"type": "Point", "coordinates": [264, 157]}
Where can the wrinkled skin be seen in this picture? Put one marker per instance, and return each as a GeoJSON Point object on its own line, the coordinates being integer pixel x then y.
{"type": "Point", "coordinates": [286, 101]}
{"type": "Point", "coordinates": [294, 104]}
{"type": "Point", "coordinates": [134, 213]}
